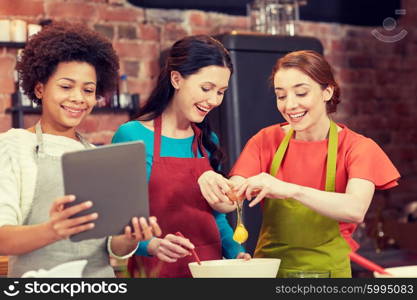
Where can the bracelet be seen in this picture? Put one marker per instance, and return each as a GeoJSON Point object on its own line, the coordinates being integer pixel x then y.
{"type": "Point", "coordinates": [117, 256]}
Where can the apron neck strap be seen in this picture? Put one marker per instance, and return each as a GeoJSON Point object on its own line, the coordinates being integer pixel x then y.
{"type": "Point", "coordinates": [331, 156]}
{"type": "Point", "coordinates": [279, 155]}
{"type": "Point", "coordinates": [157, 124]}
{"type": "Point", "coordinates": [197, 142]}
{"type": "Point", "coordinates": [39, 139]}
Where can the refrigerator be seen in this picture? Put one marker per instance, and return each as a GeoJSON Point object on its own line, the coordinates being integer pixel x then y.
{"type": "Point", "coordinates": [249, 103]}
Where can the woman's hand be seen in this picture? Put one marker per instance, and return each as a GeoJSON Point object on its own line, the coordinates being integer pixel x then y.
{"type": "Point", "coordinates": [214, 188]}
{"type": "Point", "coordinates": [170, 248]}
{"type": "Point", "coordinates": [243, 255]}
{"type": "Point", "coordinates": [60, 223]}
{"type": "Point", "coordinates": [142, 230]}
{"type": "Point", "coordinates": [264, 185]}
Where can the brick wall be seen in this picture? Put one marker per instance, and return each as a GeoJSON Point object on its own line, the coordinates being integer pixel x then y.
{"type": "Point", "coordinates": [377, 78]}
{"type": "Point", "coordinates": [137, 36]}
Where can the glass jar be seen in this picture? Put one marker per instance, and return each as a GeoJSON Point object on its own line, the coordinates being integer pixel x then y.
{"type": "Point", "coordinates": [256, 13]}
{"type": "Point", "coordinates": [279, 17]}
{"type": "Point", "coordinates": [308, 274]}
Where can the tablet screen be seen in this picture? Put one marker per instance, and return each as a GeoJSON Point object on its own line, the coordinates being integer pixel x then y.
{"type": "Point", "coordinates": [113, 177]}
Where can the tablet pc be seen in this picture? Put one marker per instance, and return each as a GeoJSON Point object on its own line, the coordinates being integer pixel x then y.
{"type": "Point", "coordinates": [113, 177]}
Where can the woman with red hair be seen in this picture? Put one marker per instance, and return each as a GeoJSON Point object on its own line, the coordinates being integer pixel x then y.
{"type": "Point", "coordinates": [315, 178]}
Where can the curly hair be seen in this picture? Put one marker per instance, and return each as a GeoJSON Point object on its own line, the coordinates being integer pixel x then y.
{"type": "Point", "coordinates": [66, 42]}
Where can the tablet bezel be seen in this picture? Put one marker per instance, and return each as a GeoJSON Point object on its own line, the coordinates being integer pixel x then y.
{"type": "Point", "coordinates": [113, 177]}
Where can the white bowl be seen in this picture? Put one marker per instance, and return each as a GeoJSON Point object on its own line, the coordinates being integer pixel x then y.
{"type": "Point", "coordinates": [399, 272]}
{"type": "Point", "coordinates": [236, 268]}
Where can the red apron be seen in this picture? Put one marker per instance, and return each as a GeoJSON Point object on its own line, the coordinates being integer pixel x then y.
{"type": "Point", "coordinates": [175, 199]}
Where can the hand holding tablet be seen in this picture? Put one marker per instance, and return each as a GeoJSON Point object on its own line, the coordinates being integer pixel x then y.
{"type": "Point", "coordinates": [113, 178]}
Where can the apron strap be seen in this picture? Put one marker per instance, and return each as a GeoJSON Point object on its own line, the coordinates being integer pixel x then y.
{"type": "Point", "coordinates": [331, 156]}
{"type": "Point", "coordinates": [157, 123]}
{"type": "Point", "coordinates": [197, 142]}
{"type": "Point", "coordinates": [39, 139]}
{"type": "Point", "coordinates": [279, 155]}
{"type": "Point", "coordinates": [83, 141]}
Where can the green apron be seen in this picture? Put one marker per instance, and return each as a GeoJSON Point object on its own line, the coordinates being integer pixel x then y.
{"type": "Point", "coordinates": [303, 239]}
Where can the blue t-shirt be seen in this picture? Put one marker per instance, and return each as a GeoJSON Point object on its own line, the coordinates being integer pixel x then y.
{"type": "Point", "coordinates": [171, 147]}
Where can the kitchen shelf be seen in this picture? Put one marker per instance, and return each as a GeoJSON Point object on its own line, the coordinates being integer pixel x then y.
{"type": "Point", "coordinates": [12, 44]}
{"type": "Point", "coordinates": [23, 109]}
{"type": "Point", "coordinates": [110, 110]}
{"type": "Point", "coordinates": [98, 110]}
{"type": "Point", "coordinates": [18, 113]}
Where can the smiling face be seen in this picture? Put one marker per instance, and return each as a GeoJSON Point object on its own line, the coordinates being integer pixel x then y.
{"type": "Point", "coordinates": [302, 101]}
{"type": "Point", "coordinates": [196, 95]}
{"type": "Point", "coordinates": [68, 96]}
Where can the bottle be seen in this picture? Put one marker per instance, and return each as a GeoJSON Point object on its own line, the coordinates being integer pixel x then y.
{"type": "Point", "coordinates": [25, 99]}
{"type": "Point", "coordinates": [113, 100]}
{"type": "Point", "coordinates": [20, 99]}
{"type": "Point", "coordinates": [125, 99]}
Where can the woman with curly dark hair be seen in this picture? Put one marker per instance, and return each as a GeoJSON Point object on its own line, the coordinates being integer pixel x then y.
{"type": "Point", "coordinates": [65, 67]}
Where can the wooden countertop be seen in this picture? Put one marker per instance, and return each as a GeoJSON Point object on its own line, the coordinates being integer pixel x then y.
{"type": "Point", "coordinates": [119, 266]}
{"type": "Point", "coordinates": [3, 265]}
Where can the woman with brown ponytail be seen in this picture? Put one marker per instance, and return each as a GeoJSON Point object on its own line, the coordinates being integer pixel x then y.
{"type": "Point", "coordinates": [180, 146]}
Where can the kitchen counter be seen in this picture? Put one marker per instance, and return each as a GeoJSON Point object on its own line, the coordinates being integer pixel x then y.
{"type": "Point", "coordinates": [3, 266]}
{"type": "Point", "coordinates": [388, 258]}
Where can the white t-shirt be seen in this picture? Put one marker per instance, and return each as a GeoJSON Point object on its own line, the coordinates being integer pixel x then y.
{"type": "Point", "coordinates": [18, 170]}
